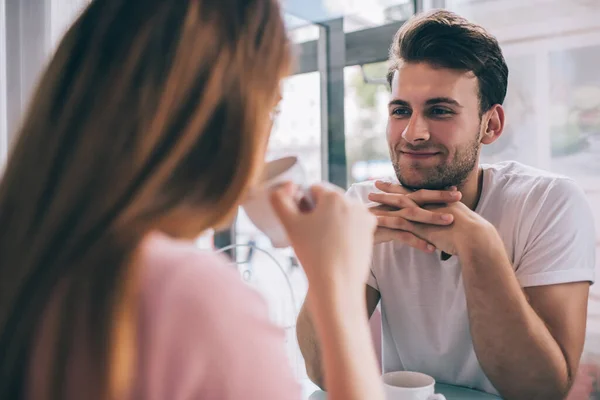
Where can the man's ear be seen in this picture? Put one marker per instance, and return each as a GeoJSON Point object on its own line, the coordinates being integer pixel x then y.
{"type": "Point", "coordinates": [494, 125]}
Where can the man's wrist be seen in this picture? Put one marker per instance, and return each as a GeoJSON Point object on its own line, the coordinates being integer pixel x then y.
{"type": "Point", "coordinates": [476, 236]}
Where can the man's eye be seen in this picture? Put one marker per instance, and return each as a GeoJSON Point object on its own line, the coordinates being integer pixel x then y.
{"type": "Point", "coordinates": [401, 112]}
{"type": "Point", "coordinates": [440, 111]}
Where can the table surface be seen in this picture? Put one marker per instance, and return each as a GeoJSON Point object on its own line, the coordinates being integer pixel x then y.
{"type": "Point", "coordinates": [451, 393]}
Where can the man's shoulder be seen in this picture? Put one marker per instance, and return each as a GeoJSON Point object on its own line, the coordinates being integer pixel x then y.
{"type": "Point", "coordinates": [514, 178]}
{"type": "Point", "coordinates": [514, 185]}
{"type": "Point", "coordinates": [515, 169]}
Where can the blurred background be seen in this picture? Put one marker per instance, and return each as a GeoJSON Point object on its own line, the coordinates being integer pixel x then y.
{"type": "Point", "coordinates": [333, 114]}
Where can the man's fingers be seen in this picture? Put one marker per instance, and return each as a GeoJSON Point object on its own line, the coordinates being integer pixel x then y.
{"type": "Point", "coordinates": [383, 235]}
{"type": "Point", "coordinates": [382, 209]}
{"type": "Point", "coordinates": [395, 223]}
{"type": "Point", "coordinates": [414, 214]}
{"type": "Point", "coordinates": [424, 196]}
{"type": "Point", "coordinates": [391, 187]}
{"type": "Point", "coordinates": [423, 216]}
{"type": "Point", "coordinates": [419, 198]}
{"type": "Point", "coordinates": [392, 200]}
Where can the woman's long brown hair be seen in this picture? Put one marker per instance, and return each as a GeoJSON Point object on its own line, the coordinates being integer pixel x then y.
{"type": "Point", "coordinates": [151, 115]}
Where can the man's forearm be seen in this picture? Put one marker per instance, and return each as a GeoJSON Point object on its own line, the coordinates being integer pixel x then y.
{"type": "Point", "coordinates": [512, 343]}
{"type": "Point", "coordinates": [310, 347]}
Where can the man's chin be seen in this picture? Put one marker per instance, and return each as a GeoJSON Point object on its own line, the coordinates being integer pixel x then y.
{"type": "Point", "coordinates": [415, 185]}
{"type": "Point", "coordinates": [421, 178]}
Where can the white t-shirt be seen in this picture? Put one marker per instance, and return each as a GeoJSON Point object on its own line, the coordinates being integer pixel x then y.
{"type": "Point", "coordinates": [547, 228]}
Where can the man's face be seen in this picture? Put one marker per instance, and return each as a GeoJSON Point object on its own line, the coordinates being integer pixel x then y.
{"type": "Point", "coordinates": [434, 126]}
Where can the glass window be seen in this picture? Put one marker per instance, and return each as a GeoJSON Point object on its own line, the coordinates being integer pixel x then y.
{"type": "Point", "coordinates": [363, 14]}
{"type": "Point", "coordinates": [365, 101]}
{"type": "Point", "coordinates": [575, 111]}
{"type": "Point", "coordinates": [275, 273]}
{"type": "Point", "coordinates": [520, 137]}
{"type": "Point", "coordinates": [357, 14]}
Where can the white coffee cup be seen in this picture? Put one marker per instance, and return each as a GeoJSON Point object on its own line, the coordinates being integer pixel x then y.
{"type": "Point", "coordinates": [406, 385]}
{"type": "Point", "coordinates": [258, 205]}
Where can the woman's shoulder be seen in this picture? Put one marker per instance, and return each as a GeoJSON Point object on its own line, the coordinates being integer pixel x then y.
{"type": "Point", "coordinates": [202, 326]}
{"type": "Point", "coordinates": [184, 276]}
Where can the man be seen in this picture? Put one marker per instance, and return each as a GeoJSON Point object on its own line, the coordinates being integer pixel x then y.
{"type": "Point", "coordinates": [485, 286]}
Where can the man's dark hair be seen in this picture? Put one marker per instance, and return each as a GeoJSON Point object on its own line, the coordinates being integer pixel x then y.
{"type": "Point", "coordinates": [445, 40]}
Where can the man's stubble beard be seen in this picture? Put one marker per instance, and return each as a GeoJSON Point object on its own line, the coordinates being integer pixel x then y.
{"type": "Point", "coordinates": [441, 177]}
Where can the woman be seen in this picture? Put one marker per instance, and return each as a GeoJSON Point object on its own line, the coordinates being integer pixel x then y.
{"type": "Point", "coordinates": [148, 127]}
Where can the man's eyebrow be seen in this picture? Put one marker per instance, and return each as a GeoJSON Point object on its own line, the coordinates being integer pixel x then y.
{"type": "Point", "coordinates": [398, 102]}
{"type": "Point", "coordinates": [429, 102]}
{"type": "Point", "coordinates": [446, 100]}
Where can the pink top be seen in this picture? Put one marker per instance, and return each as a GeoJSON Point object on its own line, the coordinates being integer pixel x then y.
{"type": "Point", "coordinates": [202, 333]}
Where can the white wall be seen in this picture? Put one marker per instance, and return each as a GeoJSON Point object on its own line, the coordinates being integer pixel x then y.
{"type": "Point", "coordinates": [3, 124]}
{"type": "Point", "coordinates": [61, 14]}
{"type": "Point", "coordinates": [29, 33]}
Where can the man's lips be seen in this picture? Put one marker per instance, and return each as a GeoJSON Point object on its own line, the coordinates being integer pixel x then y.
{"type": "Point", "coordinates": [419, 154]}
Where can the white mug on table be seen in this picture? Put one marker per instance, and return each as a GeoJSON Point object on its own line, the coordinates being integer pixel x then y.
{"type": "Point", "coordinates": [402, 385]}
{"type": "Point", "coordinates": [406, 385]}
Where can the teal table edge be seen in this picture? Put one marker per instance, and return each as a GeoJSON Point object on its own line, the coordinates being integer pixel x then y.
{"type": "Point", "coordinates": [461, 393]}
{"type": "Point", "coordinates": [451, 392]}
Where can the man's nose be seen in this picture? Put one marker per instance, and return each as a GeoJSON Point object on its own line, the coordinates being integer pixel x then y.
{"type": "Point", "coordinates": [416, 130]}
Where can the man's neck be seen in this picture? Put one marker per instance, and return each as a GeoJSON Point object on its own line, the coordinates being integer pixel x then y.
{"type": "Point", "coordinates": [471, 189]}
